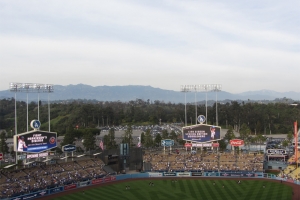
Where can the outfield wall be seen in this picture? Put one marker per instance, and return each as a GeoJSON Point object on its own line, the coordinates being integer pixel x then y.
{"type": "Point", "coordinates": [108, 179]}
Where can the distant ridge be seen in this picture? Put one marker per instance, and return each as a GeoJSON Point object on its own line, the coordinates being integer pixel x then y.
{"type": "Point", "coordinates": [133, 92]}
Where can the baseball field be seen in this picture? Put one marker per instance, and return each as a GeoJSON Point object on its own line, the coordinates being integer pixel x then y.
{"type": "Point", "coordinates": [185, 189]}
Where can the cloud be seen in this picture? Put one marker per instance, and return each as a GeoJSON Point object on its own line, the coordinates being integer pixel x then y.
{"type": "Point", "coordinates": [159, 43]}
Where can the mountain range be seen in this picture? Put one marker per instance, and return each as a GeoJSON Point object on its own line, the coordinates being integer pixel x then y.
{"type": "Point", "coordinates": [133, 92]}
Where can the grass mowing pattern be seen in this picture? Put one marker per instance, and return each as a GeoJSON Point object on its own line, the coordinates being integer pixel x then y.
{"type": "Point", "coordinates": [185, 190]}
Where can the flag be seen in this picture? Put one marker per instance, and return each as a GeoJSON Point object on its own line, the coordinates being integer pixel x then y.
{"type": "Point", "coordinates": [101, 145]}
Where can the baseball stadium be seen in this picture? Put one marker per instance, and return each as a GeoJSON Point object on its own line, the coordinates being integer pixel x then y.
{"type": "Point", "coordinates": [195, 170]}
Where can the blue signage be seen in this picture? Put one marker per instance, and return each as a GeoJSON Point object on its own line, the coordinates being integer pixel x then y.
{"type": "Point", "coordinates": [169, 173]}
{"type": "Point", "coordinates": [35, 124]}
{"type": "Point", "coordinates": [201, 119]}
{"type": "Point", "coordinates": [167, 143]}
{"type": "Point", "coordinates": [35, 141]}
{"type": "Point", "coordinates": [32, 195]}
{"type": "Point", "coordinates": [238, 174]}
{"type": "Point", "coordinates": [69, 148]}
{"type": "Point", "coordinates": [201, 133]}
{"type": "Point", "coordinates": [56, 190]}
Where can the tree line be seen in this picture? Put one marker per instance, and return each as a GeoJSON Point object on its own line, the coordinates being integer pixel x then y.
{"type": "Point", "coordinates": [260, 118]}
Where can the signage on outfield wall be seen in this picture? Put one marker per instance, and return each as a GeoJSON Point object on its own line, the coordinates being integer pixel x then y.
{"type": "Point", "coordinates": [56, 190]}
{"type": "Point", "coordinates": [169, 173]}
{"type": "Point", "coordinates": [69, 187]}
{"type": "Point", "coordinates": [109, 179]}
{"type": "Point", "coordinates": [236, 142]}
{"type": "Point", "coordinates": [35, 141]}
{"type": "Point", "coordinates": [212, 174]}
{"type": "Point", "coordinates": [104, 180]}
{"type": "Point", "coordinates": [84, 183]}
{"type": "Point", "coordinates": [31, 195]}
{"type": "Point", "coordinates": [151, 174]}
{"type": "Point", "coordinates": [197, 174]}
{"type": "Point", "coordinates": [238, 174]}
{"type": "Point", "coordinates": [183, 174]}
{"type": "Point", "coordinates": [201, 133]}
{"type": "Point", "coordinates": [97, 181]}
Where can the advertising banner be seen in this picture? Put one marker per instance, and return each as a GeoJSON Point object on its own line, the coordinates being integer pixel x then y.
{"type": "Point", "coordinates": [35, 141]}
{"type": "Point", "coordinates": [212, 174]}
{"type": "Point", "coordinates": [167, 143]}
{"type": "Point", "coordinates": [155, 174]}
{"type": "Point", "coordinates": [84, 183]}
{"type": "Point", "coordinates": [197, 174]}
{"type": "Point", "coordinates": [236, 142]}
{"type": "Point", "coordinates": [37, 155]}
{"type": "Point", "coordinates": [276, 151]}
{"type": "Point", "coordinates": [202, 145]}
{"type": "Point", "coordinates": [188, 145]}
{"type": "Point", "coordinates": [109, 179]}
{"type": "Point", "coordinates": [238, 174]}
{"type": "Point", "coordinates": [69, 148]}
{"type": "Point", "coordinates": [31, 195]}
{"type": "Point", "coordinates": [56, 190]}
{"type": "Point", "coordinates": [185, 174]}
{"type": "Point", "coordinates": [69, 187]}
{"type": "Point", "coordinates": [169, 173]}
{"type": "Point", "coordinates": [201, 133]}
{"type": "Point", "coordinates": [98, 181]}
{"type": "Point", "coordinates": [215, 144]}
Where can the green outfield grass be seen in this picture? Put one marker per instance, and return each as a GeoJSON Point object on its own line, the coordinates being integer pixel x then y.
{"type": "Point", "coordinates": [186, 189]}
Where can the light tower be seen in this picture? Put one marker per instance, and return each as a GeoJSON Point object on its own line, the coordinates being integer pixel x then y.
{"type": "Point", "coordinates": [217, 88]}
{"type": "Point", "coordinates": [185, 89]}
{"type": "Point", "coordinates": [30, 88]}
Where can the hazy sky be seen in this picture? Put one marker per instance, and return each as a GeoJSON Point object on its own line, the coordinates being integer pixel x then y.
{"type": "Point", "coordinates": [243, 45]}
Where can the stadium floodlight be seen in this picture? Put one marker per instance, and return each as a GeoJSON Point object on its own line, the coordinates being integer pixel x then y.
{"type": "Point", "coordinates": [217, 88]}
{"type": "Point", "coordinates": [185, 89]}
{"type": "Point", "coordinates": [201, 88]}
{"type": "Point", "coordinates": [30, 88]}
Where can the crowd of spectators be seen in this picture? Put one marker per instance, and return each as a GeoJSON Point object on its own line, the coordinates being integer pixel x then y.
{"type": "Point", "coordinates": [35, 178]}
{"type": "Point", "coordinates": [185, 161]}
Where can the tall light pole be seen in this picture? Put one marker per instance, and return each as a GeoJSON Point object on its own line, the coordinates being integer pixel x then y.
{"type": "Point", "coordinates": [217, 88]}
{"type": "Point", "coordinates": [185, 89]}
{"type": "Point", "coordinates": [196, 116]}
{"type": "Point", "coordinates": [201, 87]}
{"type": "Point", "coordinates": [29, 88]}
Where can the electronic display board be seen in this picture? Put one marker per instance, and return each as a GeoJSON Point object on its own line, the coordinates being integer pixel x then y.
{"type": "Point", "coordinates": [201, 133]}
{"type": "Point", "coordinates": [35, 141]}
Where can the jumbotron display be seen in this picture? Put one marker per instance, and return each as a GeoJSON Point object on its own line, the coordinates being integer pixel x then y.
{"type": "Point", "coordinates": [201, 133]}
{"type": "Point", "coordinates": [35, 141]}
